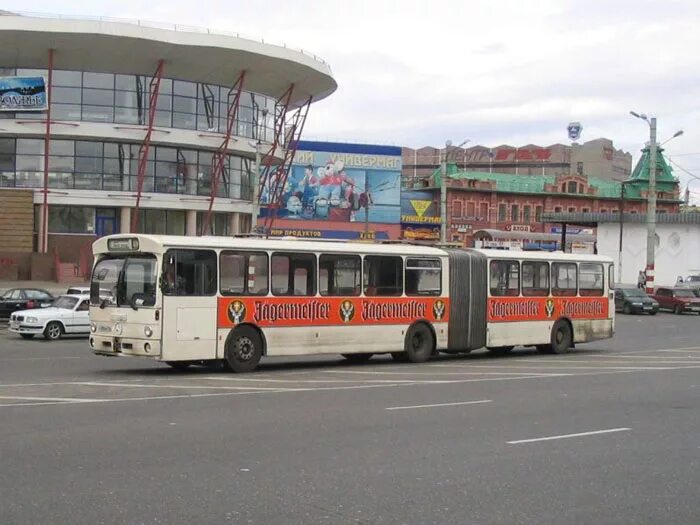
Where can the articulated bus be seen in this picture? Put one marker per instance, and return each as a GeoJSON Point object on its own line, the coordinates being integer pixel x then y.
{"type": "Point", "coordinates": [186, 300]}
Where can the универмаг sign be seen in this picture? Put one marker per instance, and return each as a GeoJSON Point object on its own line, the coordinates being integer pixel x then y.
{"type": "Point", "coordinates": [22, 94]}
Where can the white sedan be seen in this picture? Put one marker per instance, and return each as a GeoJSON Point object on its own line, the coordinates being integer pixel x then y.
{"type": "Point", "coordinates": [69, 314]}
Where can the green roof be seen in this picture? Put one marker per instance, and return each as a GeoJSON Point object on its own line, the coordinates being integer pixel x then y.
{"type": "Point", "coordinates": [511, 183]}
{"type": "Point", "coordinates": [665, 181]}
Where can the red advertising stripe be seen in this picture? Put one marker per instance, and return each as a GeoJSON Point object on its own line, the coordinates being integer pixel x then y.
{"type": "Point", "coordinates": [502, 309]}
{"type": "Point", "coordinates": [328, 311]}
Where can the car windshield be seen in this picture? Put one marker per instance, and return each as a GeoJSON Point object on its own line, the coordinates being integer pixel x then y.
{"type": "Point", "coordinates": [124, 281]}
{"type": "Point", "coordinates": [634, 292]}
{"type": "Point", "coordinates": [684, 293]}
{"type": "Point", "coordinates": [65, 302]}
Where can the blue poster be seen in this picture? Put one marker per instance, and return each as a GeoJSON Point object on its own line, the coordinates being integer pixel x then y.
{"type": "Point", "coordinates": [341, 186]}
{"type": "Point", "coordinates": [22, 94]}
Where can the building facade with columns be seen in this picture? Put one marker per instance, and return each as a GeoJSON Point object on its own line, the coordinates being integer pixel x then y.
{"type": "Point", "coordinates": [120, 126]}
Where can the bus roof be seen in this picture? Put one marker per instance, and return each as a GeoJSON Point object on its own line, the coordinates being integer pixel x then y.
{"type": "Point", "coordinates": [161, 243]}
{"type": "Point", "coordinates": [542, 255]}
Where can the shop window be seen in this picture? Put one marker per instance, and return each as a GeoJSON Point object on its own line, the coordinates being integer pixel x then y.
{"type": "Point", "coordinates": [244, 273]}
{"type": "Point", "coordinates": [71, 219]}
{"type": "Point", "coordinates": [501, 213]}
{"type": "Point", "coordinates": [293, 274]}
{"type": "Point", "coordinates": [423, 276]}
{"type": "Point", "coordinates": [504, 278]}
{"type": "Point", "coordinates": [526, 214]}
{"type": "Point", "coordinates": [538, 213]}
{"type": "Point", "coordinates": [383, 275]}
{"type": "Point", "coordinates": [514, 213]}
{"type": "Point", "coordinates": [339, 275]}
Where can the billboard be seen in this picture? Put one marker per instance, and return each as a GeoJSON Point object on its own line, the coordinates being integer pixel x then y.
{"type": "Point", "coordinates": [420, 216]}
{"type": "Point", "coordinates": [22, 94]}
{"type": "Point", "coordinates": [341, 183]}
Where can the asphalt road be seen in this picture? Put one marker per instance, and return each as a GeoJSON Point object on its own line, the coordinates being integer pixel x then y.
{"type": "Point", "coordinates": [87, 439]}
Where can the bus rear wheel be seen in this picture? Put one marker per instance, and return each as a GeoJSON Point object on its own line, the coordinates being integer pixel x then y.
{"type": "Point", "coordinates": [244, 348]}
{"type": "Point", "coordinates": [357, 358]}
{"type": "Point", "coordinates": [419, 343]}
{"type": "Point", "coordinates": [562, 339]}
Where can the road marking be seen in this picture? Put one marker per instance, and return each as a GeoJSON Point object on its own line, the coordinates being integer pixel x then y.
{"type": "Point", "coordinates": [442, 404]}
{"type": "Point", "coordinates": [52, 399]}
{"type": "Point", "coordinates": [203, 387]}
{"type": "Point", "coordinates": [567, 436]}
{"type": "Point", "coordinates": [38, 358]}
{"type": "Point", "coordinates": [415, 373]}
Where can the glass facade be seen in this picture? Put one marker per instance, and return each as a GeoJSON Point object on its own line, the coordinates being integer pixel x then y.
{"type": "Point", "coordinates": [123, 99]}
{"type": "Point", "coordinates": [113, 166]}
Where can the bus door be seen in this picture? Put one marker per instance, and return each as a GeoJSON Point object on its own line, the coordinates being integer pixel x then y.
{"type": "Point", "coordinates": [189, 284]}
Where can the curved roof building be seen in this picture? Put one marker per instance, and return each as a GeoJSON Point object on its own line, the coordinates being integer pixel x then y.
{"type": "Point", "coordinates": [151, 129]}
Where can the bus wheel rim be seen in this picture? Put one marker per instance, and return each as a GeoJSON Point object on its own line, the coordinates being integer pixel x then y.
{"type": "Point", "coordinates": [245, 349]}
{"type": "Point", "coordinates": [417, 341]}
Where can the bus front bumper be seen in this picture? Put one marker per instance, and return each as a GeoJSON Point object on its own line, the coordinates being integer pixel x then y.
{"type": "Point", "coordinates": [124, 346]}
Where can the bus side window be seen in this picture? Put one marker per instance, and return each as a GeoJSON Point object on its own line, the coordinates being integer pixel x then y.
{"type": "Point", "coordinates": [504, 278]}
{"type": "Point", "coordinates": [590, 279]}
{"type": "Point", "coordinates": [383, 275]}
{"type": "Point", "coordinates": [564, 276]}
{"type": "Point", "coordinates": [339, 275]}
{"type": "Point", "coordinates": [423, 276]}
{"type": "Point", "coordinates": [293, 274]}
{"type": "Point", "coordinates": [535, 278]}
{"type": "Point", "coordinates": [189, 272]}
{"type": "Point", "coordinates": [243, 273]}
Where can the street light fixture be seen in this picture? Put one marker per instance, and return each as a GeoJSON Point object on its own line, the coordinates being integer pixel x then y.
{"type": "Point", "coordinates": [651, 201]}
{"type": "Point", "coordinates": [651, 197]}
{"type": "Point", "coordinates": [443, 188]}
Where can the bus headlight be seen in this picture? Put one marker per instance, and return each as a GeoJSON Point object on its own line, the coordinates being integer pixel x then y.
{"type": "Point", "coordinates": [147, 331]}
{"type": "Point", "coordinates": [118, 328]}
{"type": "Point", "coordinates": [93, 327]}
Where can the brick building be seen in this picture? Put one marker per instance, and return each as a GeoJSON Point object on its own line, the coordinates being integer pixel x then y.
{"type": "Point", "coordinates": [508, 202]}
{"type": "Point", "coordinates": [598, 158]}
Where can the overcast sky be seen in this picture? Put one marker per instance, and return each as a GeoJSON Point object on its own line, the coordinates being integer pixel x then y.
{"type": "Point", "coordinates": [417, 73]}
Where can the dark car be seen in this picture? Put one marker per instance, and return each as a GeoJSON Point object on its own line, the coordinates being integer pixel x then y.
{"type": "Point", "coordinates": [23, 299]}
{"type": "Point", "coordinates": [678, 300]}
{"type": "Point", "coordinates": [634, 300]}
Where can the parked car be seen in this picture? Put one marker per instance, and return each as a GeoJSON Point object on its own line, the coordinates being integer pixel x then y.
{"type": "Point", "coordinates": [78, 290]}
{"type": "Point", "coordinates": [634, 300]}
{"type": "Point", "coordinates": [69, 314]}
{"type": "Point", "coordinates": [23, 299]}
{"type": "Point", "coordinates": [678, 300]}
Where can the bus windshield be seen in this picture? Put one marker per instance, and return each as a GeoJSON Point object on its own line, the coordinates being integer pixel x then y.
{"type": "Point", "coordinates": [125, 280]}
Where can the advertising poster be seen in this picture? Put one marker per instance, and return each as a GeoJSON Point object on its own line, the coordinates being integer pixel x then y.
{"type": "Point", "coordinates": [354, 183]}
{"type": "Point", "coordinates": [22, 94]}
{"type": "Point", "coordinates": [420, 216]}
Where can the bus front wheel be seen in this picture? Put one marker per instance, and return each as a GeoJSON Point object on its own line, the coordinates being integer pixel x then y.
{"type": "Point", "coordinates": [244, 348]}
{"type": "Point", "coordinates": [419, 343]}
{"type": "Point", "coordinates": [562, 339]}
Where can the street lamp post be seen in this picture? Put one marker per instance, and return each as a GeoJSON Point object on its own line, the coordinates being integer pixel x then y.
{"type": "Point", "coordinates": [651, 199]}
{"type": "Point", "coordinates": [443, 189]}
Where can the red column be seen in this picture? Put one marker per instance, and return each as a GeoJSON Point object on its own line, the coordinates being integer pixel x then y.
{"type": "Point", "coordinates": [44, 241]}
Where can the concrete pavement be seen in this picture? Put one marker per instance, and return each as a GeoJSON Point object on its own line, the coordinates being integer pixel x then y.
{"type": "Point", "coordinates": [607, 434]}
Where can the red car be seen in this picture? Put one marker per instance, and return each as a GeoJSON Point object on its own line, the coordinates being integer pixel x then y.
{"type": "Point", "coordinates": [678, 300]}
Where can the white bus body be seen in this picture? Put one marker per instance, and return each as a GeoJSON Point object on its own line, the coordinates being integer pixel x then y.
{"type": "Point", "coordinates": [203, 299]}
